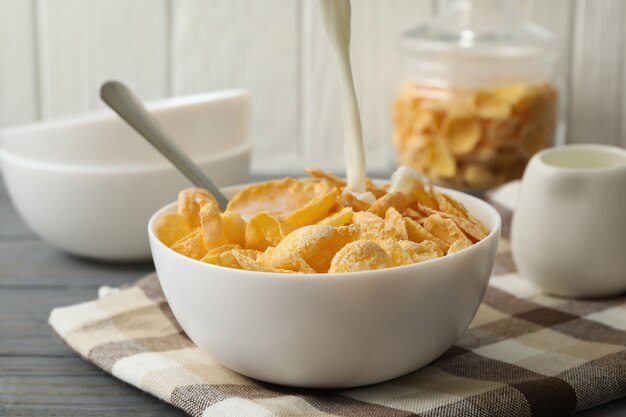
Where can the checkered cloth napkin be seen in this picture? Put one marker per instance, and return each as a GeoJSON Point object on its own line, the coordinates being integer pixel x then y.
{"type": "Point", "coordinates": [525, 354]}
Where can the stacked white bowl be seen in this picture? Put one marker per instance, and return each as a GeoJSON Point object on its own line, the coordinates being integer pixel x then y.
{"type": "Point", "coordinates": [88, 184]}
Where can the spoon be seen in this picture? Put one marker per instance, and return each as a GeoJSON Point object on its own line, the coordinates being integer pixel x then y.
{"type": "Point", "coordinates": [119, 98]}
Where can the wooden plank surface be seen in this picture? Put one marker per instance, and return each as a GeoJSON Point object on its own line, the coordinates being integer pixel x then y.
{"type": "Point", "coordinates": [25, 258]}
{"type": "Point", "coordinates": [69, 387]}
{"type": "Point", "coordinates": [24, 325]}
{"type": "Point", "coordinates": [13, 228]}
{"type": "Point", "coordinates": [39, 375]}
{"type": "Point", "coordinates": [84, 43]}
{"type": "Point", "coordinates": [19, 95]}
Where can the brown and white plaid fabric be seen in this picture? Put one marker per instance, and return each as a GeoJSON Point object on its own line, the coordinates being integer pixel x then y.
{"type": "Point", "coordinates": [525, 354]}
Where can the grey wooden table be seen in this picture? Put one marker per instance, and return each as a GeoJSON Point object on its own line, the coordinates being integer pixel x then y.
{"type": "Point", "coordinates": [39, 375]}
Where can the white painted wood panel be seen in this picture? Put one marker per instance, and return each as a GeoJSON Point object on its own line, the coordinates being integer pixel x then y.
{"type": "Point", "coordinates": [557, 16]}
{"type": "Point", "coordinates": [18, 62]}
{"type": "Point", "coordinates": [376, 26]}
{"type": "Point", "coordinates": [84, 43]}
{"type": "Point", "coordinates": [54, 54]}
{"type": "Point", "coordinates": [597, 80]}
{"type": "Point", "coordinates": [220, 44]}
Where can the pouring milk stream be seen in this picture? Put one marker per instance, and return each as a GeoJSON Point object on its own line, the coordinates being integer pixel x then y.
{"type": "Point", "coordinates": [336, 17]}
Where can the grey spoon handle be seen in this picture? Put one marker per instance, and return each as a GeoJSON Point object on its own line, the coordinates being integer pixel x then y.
{"type": "Point", "coordinates": [119, 98]}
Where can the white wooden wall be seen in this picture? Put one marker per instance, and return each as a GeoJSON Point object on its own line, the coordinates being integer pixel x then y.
{"type": "Point", "coordinates": [54, 54]}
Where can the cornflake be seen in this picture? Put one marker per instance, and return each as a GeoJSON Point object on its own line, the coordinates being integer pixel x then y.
{"type": "Point", "coordinates": [472, 138]}
{"type": "Point", "coordinates": [312, 226]}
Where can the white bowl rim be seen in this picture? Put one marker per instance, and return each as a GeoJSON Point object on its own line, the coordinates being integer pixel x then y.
{"type": "Point", "coordinates": [127, 168]}
{"type": "Point", "coordinates": [155, 106]}
{"type": "Point", "coordinates": [491, 211]}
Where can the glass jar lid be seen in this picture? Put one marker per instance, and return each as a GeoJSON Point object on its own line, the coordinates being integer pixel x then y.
{"type": "Point", "coordinates": [477, 43]}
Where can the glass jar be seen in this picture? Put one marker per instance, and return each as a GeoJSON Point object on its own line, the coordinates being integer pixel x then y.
{"type": "Point", "coordinates": [479, 95]}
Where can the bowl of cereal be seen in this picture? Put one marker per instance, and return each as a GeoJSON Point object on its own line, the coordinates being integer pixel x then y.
{"type": "Point", "coordinates": [299, 283]}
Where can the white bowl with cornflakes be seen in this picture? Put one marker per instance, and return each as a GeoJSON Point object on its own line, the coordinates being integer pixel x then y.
{"type": "Point", "coordinates": [328, 330]}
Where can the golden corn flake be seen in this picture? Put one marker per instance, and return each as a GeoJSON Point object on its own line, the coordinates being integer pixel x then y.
{"type": "Point", "coordinates": [533, 140]}
{"type": "Point", "coordinates": [416, 151]}
{"type": "Point", "coordinates": [378, 191]}
{"type": "Point", "coordinates": [399, 256]}
{"type": "Point", "coordinates": [340, 218]}
{"type": "Point", "coordinates": [248, 263]}
{"type": "Point", "coordinates": [475, 231]}
{"type": "Point", "coordinates": [459, 136]}
{"type": "Point", "coordinates": [477, 175]}
{"type": "Point", "coordinates": [349, 200]}
{"type": "Point", "coordinates": [312, 212]}
{"type": "Point", "coordinates": [278, 197]}
{"type": "Point", "coordinates": [472, 226]}
{"type": "Point", "coordinates": [234, 227]}
{"type": "Point", "coordinates": [370, 226]}
{"type": "Point", "coordinates": [449, 205]}
{"type": "Point", "coordinates": [313, 230]}
{"type": "Point", "coordinates": [397, 200]}
{"type": "Point", "coordinates": [423, 121]}
{"type": "Point", "coordinates": [191, 245]}
{"type": "Point", "coordinates": [513, 94]}
{"type": "Point", "coordinates": [413, 214]}
{"type": "Point", "coordinates": [395, 224]}
{"type": "Point", "coordinates": [340, 183]}
{"type": "Point", "coordinates": [445, 229]}
{"type": "Point", "coordinates": [500, 131]}
{"type": "Point", "coordinates": [227, 257]}
{"type": "Point", "coordinates": [317, 244]}
{"type": "Point", "coordinates": [491, 106]}
{"type": "Point", "coordinates": [211, 222]}
{"type": "Point", "coordinates": [421, 194]}
{"type": "Point", "coordinates": [307, 241]}
{"type": "Point", "coordinates": [362, 255]}
{"type": "Point", "coordinates": [188, 206]}
{"type": "Point", "coordinates": [420, 252]}
{"type": "Point", "coordinates": [442, 160]}
{"type": "Point", "coordinates": [327, 176]}
{"type": "Point", "coordinates": [263, 230]}
{"type": "Point", "coordinates": [416, 232]}
{"type": "Point", "coordinates": [214, 256]}
{"type": "Point", "coordinates": [170, 228]}
{"type": "Point", "coordinates": [223, 248]}
{"type": "Point", "coordinates": [462, 133]}
{"type": "Point", "coordinates": [430, 246]}
{"type": "Point", "coordinates": [282, 259]}
{"type": "Point", "coordinates": [459, 245]}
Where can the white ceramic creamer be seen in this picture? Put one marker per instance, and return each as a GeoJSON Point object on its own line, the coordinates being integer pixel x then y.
{"type": "Point", "coordinates": [569, 226]}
